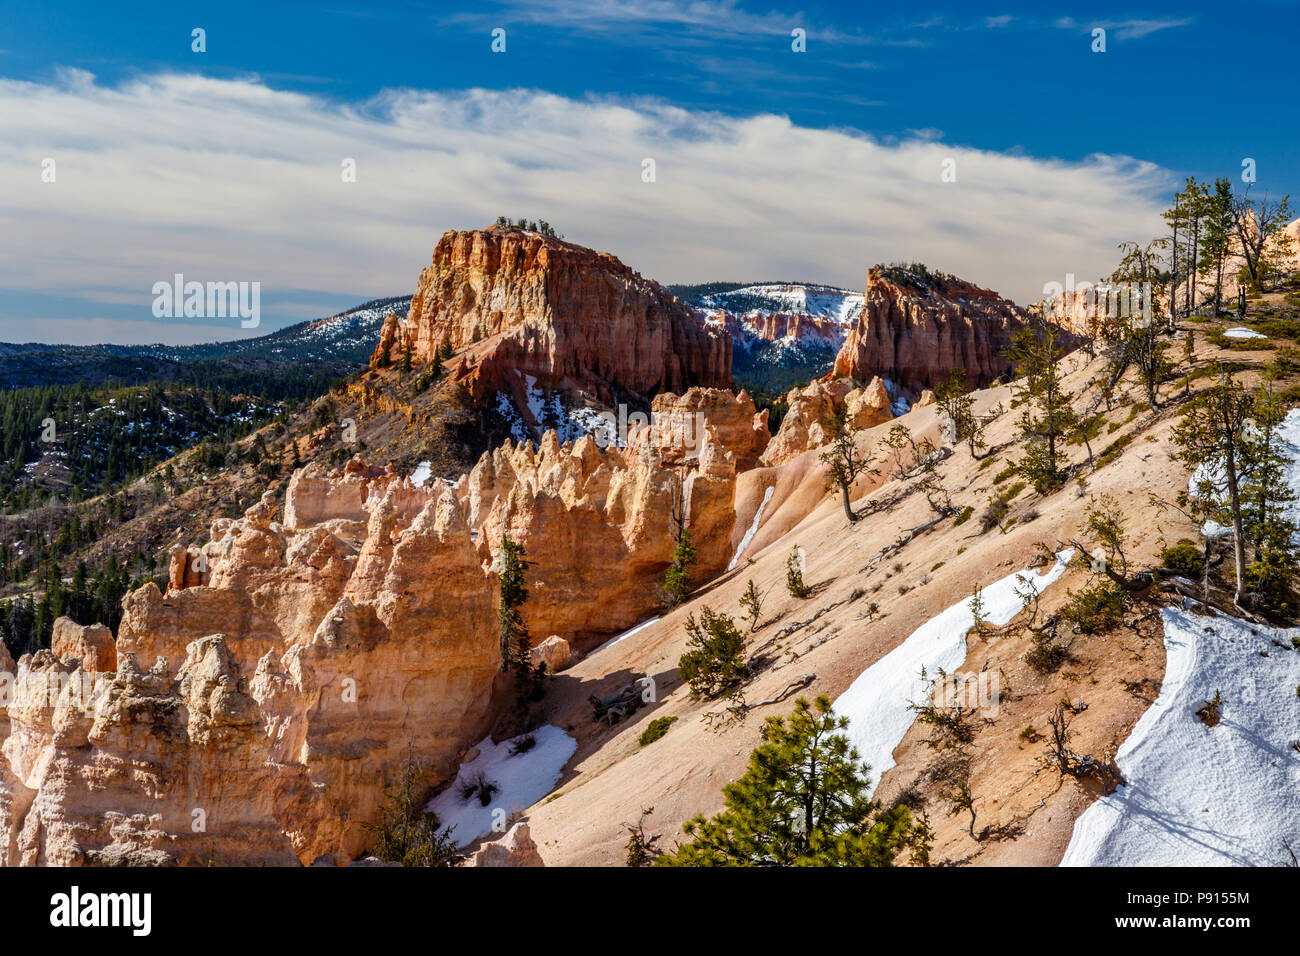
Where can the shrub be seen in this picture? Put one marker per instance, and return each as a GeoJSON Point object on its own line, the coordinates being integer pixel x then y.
{"type": "Point", "coordinates": [407, 833]}
{"type": "Point", "coordinates": [1096, 608]}
{"type": "Point", "coordinates": [964, 516]}
{"type": "Point", "coordinates": [1004, 474]}
{"type": "Point", "coordinates": [994, 514]}
{"type": "Point", "coordinates": [656, 729]}
{"type": "Point", "coordinates": [794, 575]}
{"type": "Point", "coordinates": [1184, 557]}
{"type": "Point", "coordinates": [714, 662]}
{"type": "Point", "coordinates": [1045, 655]}
{"type": "Point", "coordinates": [523, 745]}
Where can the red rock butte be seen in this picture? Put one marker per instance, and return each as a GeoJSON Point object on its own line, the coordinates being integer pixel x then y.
{"type": "Point", "coordinates": [914, 330]}
{"type": "Point", "coordinates": [513, 303]}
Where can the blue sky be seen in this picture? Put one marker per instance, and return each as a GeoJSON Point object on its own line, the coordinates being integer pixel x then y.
{"type": "Point", "coordinates": [219, 151]}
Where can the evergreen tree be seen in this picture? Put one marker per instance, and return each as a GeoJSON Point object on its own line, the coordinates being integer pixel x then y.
{"type": "Point", "coordinates": [1216, 245]}
{"type": "Point", "coordinates": [1047, 417]}
{"type": "Point", "coordinates": [407, 833]}
{"type": "Point", "coordinates": [843, 461]}
{"type": "Point", "coordinates": [714, 661]}
{"type": "Point", "coordinates": [1213, 439]}
{"type": "Point", "coordinates": [957, 404]}
{"type": "Point", "coordinates": [802, 802]}
{"type": "Point", "coordinates": [513, 594]}
{"type": "Point", "coordinates": [752, 603]}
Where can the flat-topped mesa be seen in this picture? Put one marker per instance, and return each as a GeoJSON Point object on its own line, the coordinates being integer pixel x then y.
{"type": "Point", "coordinates": [513, 303]}
{"type": "Point", "coordinates": [916, 327]}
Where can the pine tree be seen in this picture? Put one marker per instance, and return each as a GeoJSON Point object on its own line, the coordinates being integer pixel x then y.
{"type": "Point", "coordinates": [802, 802]}
{"type": "Point", "coordinates": [513, 594]}
{"type": "Point", "coordinates": [1047, 417]}
{"type": "Point", "coordinates": [843, 461]}
{"type": "Point", "coordinates": [1213, 437]}
{"type": "Point", "coordinates": [1216, 245]}
{"type": "Point", "coordinates": [794, 582]}
{"type": "Point", "coordinates": [752, 603]}
{"type": "Point", "coordinates": [957, 404]}
{"type": "Point", "coordinates": [407, 833]}
{"type": "Point", "coordinates": [1140, 337]}
{"type": "Point", "coordinates": [714, 661]}
{"type": "Point", "coordinates": [677, 581]}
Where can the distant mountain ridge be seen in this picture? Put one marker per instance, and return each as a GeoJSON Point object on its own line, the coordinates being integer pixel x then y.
{"type": "Point", "coordinates": [335, 345]}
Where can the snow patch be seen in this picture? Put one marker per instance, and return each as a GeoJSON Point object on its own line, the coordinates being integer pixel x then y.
{"type": "Point", "coordinates": [626, 634]}
{"type": "Point", "coordinates": [1243, 333]}
{"type": "Point", "coordinates": [749, 534]}
{"type": "Point", "coordinates": [1206, 796]}
{"type": "Point", "coordinates": [877, 702]}
{"type": "Point", "coordinates": [422, 473]}
{"type": "Point", "coordinates": [522, 779]}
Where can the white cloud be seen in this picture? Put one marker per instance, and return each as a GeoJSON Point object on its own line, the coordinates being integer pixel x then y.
{"type": "Point", "coordinates": [235, 181]}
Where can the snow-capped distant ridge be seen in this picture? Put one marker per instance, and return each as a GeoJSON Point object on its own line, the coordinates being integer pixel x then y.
{"type": "Point", "coordinates": [841, 306]}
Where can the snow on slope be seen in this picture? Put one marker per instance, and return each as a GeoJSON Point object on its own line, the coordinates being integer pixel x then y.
{"type": "Point", "coordinates": [522, 779]}
{"type": "Point", "coordinates": [749, 534]}
{"type": "Point", "coordinates": [877, 702]}
{"type": "Point", "coordinates": [1206, 796]}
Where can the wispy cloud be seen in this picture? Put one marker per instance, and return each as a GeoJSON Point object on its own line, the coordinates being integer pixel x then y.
{"type": "Point", "coordinates": [1132, 28]}
{"type": "Point", "coordinates": [230, 180]}
{"type": "Point", "coordinates": [717, 18]}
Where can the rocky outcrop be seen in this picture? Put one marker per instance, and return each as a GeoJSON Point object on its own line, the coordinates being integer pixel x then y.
{"type": "Point", "coordinates": [554, 654]}
{"type": "Point", "coordinates": [92, 645]}
{"type": "Point", "coordinates": [597, 526]}
{"type": "Point", "coordinates": [915, 329]}
{"type": "Point", "coordinates": [257, 711]}
{"type": "Point", "coordinates": [255, 717]}
{"type": "Point", "coordinates": [516, 848]}
{"type": "Point", "coordinates": [513, 303]}
{"type": "Point", "coordinates": [803, 426]}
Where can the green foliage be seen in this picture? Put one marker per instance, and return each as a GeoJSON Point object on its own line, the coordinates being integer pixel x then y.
{"type": "Point", "coordinates": [677, 581]}
{"type": "Point", "coordinates": [963, 516]}
{"type": "Point", "coordinates": [1096, 608]}
{"type": "Point", "coordinates": [714, 661]}
{"type": "Point", "coordinates": [794, 582]}
{"type": "Point", "coordinates": [751, 602]}
{"type": "Point", "coordinates": [1046, 418]}
{"type": "Point", "coordinates": [641, 849]}
{"type": "Point", "coordinates": [656, 729]}
{"type": "Point", "coordinates": [802, 802]}
{"type": "Point", "coordinates": [1184, 557]}
{"type": "Point", "coordinates": [513, 632]}
{"type": "Point", "coordinates": [407, 833]}
{"type": "Point", "coordinates": [843, 461]}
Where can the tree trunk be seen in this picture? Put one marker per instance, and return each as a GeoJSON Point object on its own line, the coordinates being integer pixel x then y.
{"type": "Point", "coordinates": [1234, 502]}
{"type": "Point", "coordinates": [848, 511]}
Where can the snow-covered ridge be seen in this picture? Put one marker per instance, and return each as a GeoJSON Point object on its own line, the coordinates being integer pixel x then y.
{"type": "Point", "coordinates": [842, 306]}
{"type": "Point", "coordinates": [1196, 795]}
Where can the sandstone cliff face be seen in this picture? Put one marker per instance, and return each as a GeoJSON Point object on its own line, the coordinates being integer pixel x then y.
{"type": "Point", "coordinates": [597, 525]}
{"type": "Point", "coordinates": [252, 713]}
{"type": "Point", "coordinates": [803, 426]}
{"type": "Point", "coordinates": [915, 331]}
{"type": "Point", "coordinates": [513, 303]}
{"type": "Point", "coordinates": [273, 699]}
